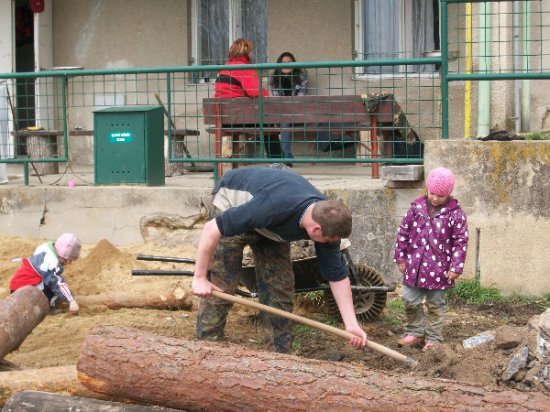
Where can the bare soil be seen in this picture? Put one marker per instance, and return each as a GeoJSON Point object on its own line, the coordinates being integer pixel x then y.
{"type": "Point", "coordinates": [104, 268]}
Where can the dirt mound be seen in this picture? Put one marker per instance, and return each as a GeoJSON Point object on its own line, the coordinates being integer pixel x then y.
{"type": "Point", "coordinates": [96, 271]}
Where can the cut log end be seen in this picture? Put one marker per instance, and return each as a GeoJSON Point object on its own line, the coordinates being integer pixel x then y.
{"type": "Point", "coordinates": [20, 313]}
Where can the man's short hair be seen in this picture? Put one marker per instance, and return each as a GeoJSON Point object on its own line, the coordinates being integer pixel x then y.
{"type": "Point", "coordinates": [334, 218]}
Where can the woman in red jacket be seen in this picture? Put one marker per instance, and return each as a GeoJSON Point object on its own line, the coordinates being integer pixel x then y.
{"type": "Point", "coordinates": [244, 83]}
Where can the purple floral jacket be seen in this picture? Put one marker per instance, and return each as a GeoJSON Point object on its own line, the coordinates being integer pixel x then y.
{"type": "Point", "coordinates": [431, 246]}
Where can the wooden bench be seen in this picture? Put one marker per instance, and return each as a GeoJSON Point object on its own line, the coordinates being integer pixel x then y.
{"type": "Point", "coordinates": [335, 114]}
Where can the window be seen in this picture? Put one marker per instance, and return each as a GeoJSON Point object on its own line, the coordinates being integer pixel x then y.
{"type": "Point", "coordinates": [217, 23]}
{"type": "Point", "coordinates": [396, 29]}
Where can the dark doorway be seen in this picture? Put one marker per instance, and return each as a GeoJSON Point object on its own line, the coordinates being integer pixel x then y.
{"type": "Point", "coordinates": [24, 62]}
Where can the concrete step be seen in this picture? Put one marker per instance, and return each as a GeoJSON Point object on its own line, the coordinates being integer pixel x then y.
{"type": "Point", "coordinates": [402, 176]}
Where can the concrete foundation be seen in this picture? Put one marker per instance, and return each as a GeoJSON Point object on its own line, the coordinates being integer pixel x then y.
{"type": "Point", "coordinates": [502, 186]}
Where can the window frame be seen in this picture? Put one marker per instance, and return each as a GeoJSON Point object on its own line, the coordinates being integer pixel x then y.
{"type": "Point", "coordinates": [359, 49]}
{"type": "Point", "coordinates": [235, 24]}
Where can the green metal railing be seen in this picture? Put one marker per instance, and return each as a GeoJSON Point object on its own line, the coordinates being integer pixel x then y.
{"type": "Point", "coordinates": [486, 41]}
{"type": "Point", "coordinates": [62, 103]}
{"type": "Point", "coordinates": [481, 42]}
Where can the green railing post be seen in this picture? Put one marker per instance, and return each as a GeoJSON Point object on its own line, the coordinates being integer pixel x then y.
{"type": "Point", "coordinates": [26, 173]}
{"type": "Point", "coordinates": [64, 95]}
{"type": "Point", "coordinates": [261, 106]}
{"type": "Point", "coordinates": [169, 109]}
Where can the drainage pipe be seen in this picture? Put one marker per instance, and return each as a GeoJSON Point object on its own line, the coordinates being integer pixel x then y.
{"type": "Point", "coordinates": [525, 84]}
{"type": "Point", "coordinates": [484, 88]}
{"type": "Point", "coordinates": [516, 10]}
{"type": "Point", "coordinates": [468, 83]}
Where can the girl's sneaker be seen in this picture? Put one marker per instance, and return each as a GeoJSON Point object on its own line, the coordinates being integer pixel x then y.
{"type": "Point", "coordinates": [409, 340]}
{"type": "Point", "coordinates": [429, 344]}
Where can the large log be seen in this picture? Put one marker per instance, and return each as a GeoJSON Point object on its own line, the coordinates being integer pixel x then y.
{"type": "Point", "coordinates": [32, 401]}
{"type": "Point", "coordinates": [20, 313]}
{"type": "Point", "coordinates": [174, 298]}
{"type": "Point", "coordinates": [199, 375]}
{"type": "Point", "coordinates": [58, 379]}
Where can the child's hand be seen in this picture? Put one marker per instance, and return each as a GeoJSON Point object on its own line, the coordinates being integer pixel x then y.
{"type": "Point", "coordinates": [402, 266]}
{"type": "Point", "coordinates": [452, 275]}
{"type": "Point", "coordinates": [73, 306]}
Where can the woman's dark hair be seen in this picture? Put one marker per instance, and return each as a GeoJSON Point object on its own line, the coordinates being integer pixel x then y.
{"type": "Point", "coordinates": [277, 74]}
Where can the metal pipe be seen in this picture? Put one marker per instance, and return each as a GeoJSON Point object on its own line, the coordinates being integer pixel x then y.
{"type": "Point", "coordinates": [484, 88]}
{"type": "Point", "coordinates": [496, 76]}
{"type": "Point", "coordinates": [165, 259]}
{"type": "Point", "coordinates": [444, 72]}
{"type": "Point", "coordinates": [155, 272]}
{"type": "Point", "coordinates": [478, 269]}
{"type": "Point", "coordinates": [468, 69]}
{"type": "Point", "coordinates": [525, 83]}
{"type": "Point", "coordinates": [516, 10]}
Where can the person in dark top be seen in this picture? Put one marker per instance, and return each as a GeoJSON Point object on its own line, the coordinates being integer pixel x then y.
{"type": "Point", "coordinates": [267, 208]}
{"type": "Point", "coordinates": [288, 82]}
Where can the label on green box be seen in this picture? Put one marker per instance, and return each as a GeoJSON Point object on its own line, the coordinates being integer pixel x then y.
{"type": "Point", "coordinates": [120, 137]}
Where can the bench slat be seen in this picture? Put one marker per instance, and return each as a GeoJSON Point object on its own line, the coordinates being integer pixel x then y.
{"type": "Point", "coordinates": [294, 110]}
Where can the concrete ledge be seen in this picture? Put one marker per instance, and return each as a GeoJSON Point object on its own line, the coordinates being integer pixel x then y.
{"type": "Point", "coordinates": [402, 173]}
{"type": "Point", "coordinates": [399, 184]}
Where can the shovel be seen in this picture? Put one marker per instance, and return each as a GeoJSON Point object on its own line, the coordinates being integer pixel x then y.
{"type": "Point", "coordinates": [410, 362]}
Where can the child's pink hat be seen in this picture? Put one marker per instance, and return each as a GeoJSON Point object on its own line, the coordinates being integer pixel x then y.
{"type": "Point", "coordinates": [440, 181]}
{"type": "Point", "coordinates": [68, 246]}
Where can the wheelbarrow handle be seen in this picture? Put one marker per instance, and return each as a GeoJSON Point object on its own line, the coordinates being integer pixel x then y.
{"type": "Point", "coordinates": [317, 325]}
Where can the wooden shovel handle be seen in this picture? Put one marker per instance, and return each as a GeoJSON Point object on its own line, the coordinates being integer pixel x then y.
{"type": "Point", "coordinates": [314, 324]}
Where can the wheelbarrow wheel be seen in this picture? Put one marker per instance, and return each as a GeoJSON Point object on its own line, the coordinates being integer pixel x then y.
{"type": "Point", "coordinates": [368, 305]}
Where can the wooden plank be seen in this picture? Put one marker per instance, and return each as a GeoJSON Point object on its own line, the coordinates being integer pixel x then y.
{"type": "Point", "coordinates": [297, 109]}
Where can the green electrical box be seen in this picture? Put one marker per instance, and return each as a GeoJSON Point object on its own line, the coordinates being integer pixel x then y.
{"type": "Point", "coordinates": [129, 145]}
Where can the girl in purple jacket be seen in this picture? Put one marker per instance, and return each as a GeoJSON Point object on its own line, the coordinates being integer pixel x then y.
{"type": "Point", "coordinates": [430, 252]}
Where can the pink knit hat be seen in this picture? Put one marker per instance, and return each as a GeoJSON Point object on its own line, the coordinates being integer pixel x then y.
{"type": "Point", "coordinates": [440, 181]}
{"type": "Point", "coordinates": [68, 246]}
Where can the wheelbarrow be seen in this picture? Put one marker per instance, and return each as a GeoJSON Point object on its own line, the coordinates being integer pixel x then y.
{"type": "Point", "coordinates": [367, 285]}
